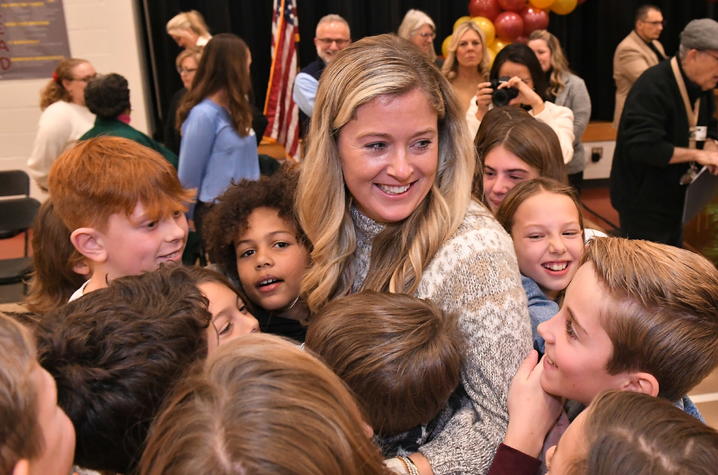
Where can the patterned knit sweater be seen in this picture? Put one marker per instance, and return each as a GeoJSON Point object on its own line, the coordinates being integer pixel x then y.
{"type": "Point", "coordinates": [475, 275]}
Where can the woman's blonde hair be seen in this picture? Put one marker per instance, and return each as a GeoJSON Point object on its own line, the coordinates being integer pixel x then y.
{"type": "Point", "coordinates": [261, 405]}
{"type": "Point", "coordinates": [413, 20]}
{"type": "Point", "coordinates": [195, 53]}
{"type": "Point", "coordinates": [191, 20]}
{"type": "Point", "coordinates": [373, 67]}
{"type": "Point", "coordinates": [54, 90]}
{"type": "Point", "coordinates": [559, 64]}
{"type": "Point", "coordinates": [451, 65]}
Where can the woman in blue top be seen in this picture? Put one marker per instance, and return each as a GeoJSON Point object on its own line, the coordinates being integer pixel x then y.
{"type": "Point", "coordinates": [218, 144]}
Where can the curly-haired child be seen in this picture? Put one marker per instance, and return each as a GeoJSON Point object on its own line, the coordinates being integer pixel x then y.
{"type": "Point", "coordinates": [252, 233]}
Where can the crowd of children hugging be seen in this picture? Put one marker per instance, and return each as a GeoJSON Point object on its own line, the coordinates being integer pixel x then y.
{"type": "Point", "coordinates": [370, 310]}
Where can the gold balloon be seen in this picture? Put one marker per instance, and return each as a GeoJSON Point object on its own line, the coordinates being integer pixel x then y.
{"type": "Point", "coordinates": [563, 7]}
{"type": "Point", "coordinates": [487, 28]}
{"type": "Point", "coordinates": [461, 20]}
{"type": "Point", "coordinates": [445, 46]}
{"type": "Point", "coordinates": [541, 3]}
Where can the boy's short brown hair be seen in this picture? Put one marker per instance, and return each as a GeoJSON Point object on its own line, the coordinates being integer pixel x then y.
{"type": "Point", "coordinates": [116, 352]}
{"type": "Point", "coordinates": [20, 433]}
{"type": "Point", "coordinates": [662, 317]}
{"type": "Point", "coordinates": [103, 176]}
{"type": "Point", "coordinates": [399, 354]}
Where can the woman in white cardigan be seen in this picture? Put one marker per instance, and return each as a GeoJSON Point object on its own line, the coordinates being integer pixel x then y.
{"type": "Point", "coordinates": [517, 64]}
{"type": "Point", "coordinates": [64, 115]}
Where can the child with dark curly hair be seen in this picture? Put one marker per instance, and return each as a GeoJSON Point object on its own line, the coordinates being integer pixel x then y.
{"type": "Point", "coordinates": [252, 233]}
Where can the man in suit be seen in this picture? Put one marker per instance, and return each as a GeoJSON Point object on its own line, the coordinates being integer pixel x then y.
{"type": "Point", "coordinates": [637, 52]}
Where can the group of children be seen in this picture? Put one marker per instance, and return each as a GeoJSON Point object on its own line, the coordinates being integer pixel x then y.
{"type": "Point", "coordinates": [149, 368]}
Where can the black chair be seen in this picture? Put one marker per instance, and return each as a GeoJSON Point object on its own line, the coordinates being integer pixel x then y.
{"type": "Point", "coordinates": [16, 216]}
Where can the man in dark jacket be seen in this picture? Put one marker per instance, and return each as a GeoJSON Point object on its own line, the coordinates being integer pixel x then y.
{"type": "Point", "coordinates": [662, 141]}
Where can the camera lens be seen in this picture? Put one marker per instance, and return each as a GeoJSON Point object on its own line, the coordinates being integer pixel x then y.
{"type": "Point", "coordinates": [502, 97]}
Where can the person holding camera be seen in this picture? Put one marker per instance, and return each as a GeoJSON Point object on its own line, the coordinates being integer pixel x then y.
{"type": "Point", "coordinates": [516, 79]}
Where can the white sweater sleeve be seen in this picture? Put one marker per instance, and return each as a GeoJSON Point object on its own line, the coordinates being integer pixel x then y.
{"type": "Point", "coordinates": [560, 119]}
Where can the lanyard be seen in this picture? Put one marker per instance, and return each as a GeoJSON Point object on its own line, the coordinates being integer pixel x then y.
{"type": "Point", "coordinates": [691, 114]}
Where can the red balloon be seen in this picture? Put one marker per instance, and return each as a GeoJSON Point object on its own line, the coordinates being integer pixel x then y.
{"type": "Point", "coordinates": [534, 19]}
{"type": "Point", "coordinates": [485, 8]}
{"type": "Point", "coordinates": [512, 5]}
{"type": "Point", "coordinates": [509, 26]}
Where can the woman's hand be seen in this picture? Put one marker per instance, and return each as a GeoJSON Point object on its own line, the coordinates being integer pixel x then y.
{"type": "Point", "coordinates": [526, 95]}
{"type": "Point", "coordinates": [532, 411]}
{"type": "Point", "coordinates": [483, 99]}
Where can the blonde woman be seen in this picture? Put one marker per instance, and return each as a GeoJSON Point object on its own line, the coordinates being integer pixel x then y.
{"type": "Point", "coordinates": [189, 30]}
{"type": "Point", "coordinates": [64, 116]}
{"type": "Point", "coordinates": [564, 89]}
{"type": "Point", "coordinates": [419, 28]}
{"type": "Point", "coordinates": [384, 195]}
{"type": "Point", "coordinates": [467, 64]}
{"type": "Point", "coordinates": [261, 405]}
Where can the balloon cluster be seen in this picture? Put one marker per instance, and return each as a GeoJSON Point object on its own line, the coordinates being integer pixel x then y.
{"type": "Point", "coordinates": [506, 21]}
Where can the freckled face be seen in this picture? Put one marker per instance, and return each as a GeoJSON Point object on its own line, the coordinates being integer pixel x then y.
{"type": "Point", "coordinates": [389, 155]}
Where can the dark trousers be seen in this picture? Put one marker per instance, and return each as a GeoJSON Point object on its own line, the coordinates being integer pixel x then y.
{"type": "Point", "coordinates": [652, 227]}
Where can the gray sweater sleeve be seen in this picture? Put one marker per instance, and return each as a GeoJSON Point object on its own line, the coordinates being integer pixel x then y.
{"type": "Point", "coordinates": [475, 275]}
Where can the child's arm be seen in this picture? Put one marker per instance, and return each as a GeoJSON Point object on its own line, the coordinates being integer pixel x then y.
{"type": "Point", "coordinates": [532, 413]}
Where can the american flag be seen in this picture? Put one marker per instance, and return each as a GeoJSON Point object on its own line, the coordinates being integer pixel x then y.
{"type": "Point", "coordinates": [279, 107]}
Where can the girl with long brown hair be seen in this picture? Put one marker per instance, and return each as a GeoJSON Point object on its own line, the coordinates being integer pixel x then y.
{"type": "Point", "coordinates": [218, 144]}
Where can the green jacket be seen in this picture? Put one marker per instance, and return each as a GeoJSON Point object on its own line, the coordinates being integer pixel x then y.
{"type": "Point", "coordinates": [117, 128]}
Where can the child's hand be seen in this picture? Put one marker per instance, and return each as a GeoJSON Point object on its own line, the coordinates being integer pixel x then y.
{"type": "Point", "coordinates": [532, 411]}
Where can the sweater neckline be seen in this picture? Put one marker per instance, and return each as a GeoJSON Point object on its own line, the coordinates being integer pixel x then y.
{"type": "Point", "coordinates": [367, 226]}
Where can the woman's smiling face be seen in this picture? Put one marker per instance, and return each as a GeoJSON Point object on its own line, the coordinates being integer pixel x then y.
{"type": "Point", "coordinates": [389, 155]}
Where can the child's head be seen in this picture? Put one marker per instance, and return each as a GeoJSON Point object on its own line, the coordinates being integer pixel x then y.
{"type": "Point", "coordinates": [628, 432]}
{"type": "Point", "coordinates": [253, 235]}
{"type": "Point", "coordinates": [261, 405]}
{"type": "Point", "coordinates": [123, 204]}
{"type": "Point", "coordinates": [544, 220]}
{"type": "Point", "coordinates": [399, 354]}
{"type": "Point", "coordinates": [637, 316]}
{"type": "Point", "coordinates": [35, 433]}
{"type": "Point", "coordinates": [512, 151]}
{"type": "Point", "coordinates": [58, 269]}
{"type": "Point", "coordinates": [230, 316]}
{"type": "Point", "coordinates": [116, 352]}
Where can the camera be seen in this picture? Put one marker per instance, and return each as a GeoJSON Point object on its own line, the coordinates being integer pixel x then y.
{"type": "Point", "coordinates": [502, 97]}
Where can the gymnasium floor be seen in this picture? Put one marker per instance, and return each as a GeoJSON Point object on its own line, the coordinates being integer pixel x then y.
{"type": "Point", "coordinates": [598, 211]}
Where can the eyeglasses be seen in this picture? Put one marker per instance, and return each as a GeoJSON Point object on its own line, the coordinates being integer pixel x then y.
{"type": "Point", "coordinates": [186, 70]}
{"type": "Point", "coordinates": [710, 54]}
{"type": "Point", "coordinates": [86, 79]}
{"type": "Point", "coordinates": [328, 41]}
{"type": "Point", "coordinates": [655, 23]}
{"type": "Point", "coordinates": [425, 35]}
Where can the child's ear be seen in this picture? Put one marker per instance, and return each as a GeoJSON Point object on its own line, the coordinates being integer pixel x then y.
{"type": "Point", "coordinates": [89, 243]}
{"type": "Point", "coordinates": [22, 467]}
{"type": "Point", "coordinates": [641, 382]}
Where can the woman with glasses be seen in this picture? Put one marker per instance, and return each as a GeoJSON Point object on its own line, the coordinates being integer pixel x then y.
{"type": "Point", "coordinates": [419, 28]}
{"type": "Point", "coordinates": [64, 115]}
{"type": "Point", "coordinates": [467, 63]}
{"type": "Point", "coordinates": [187, 63]}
